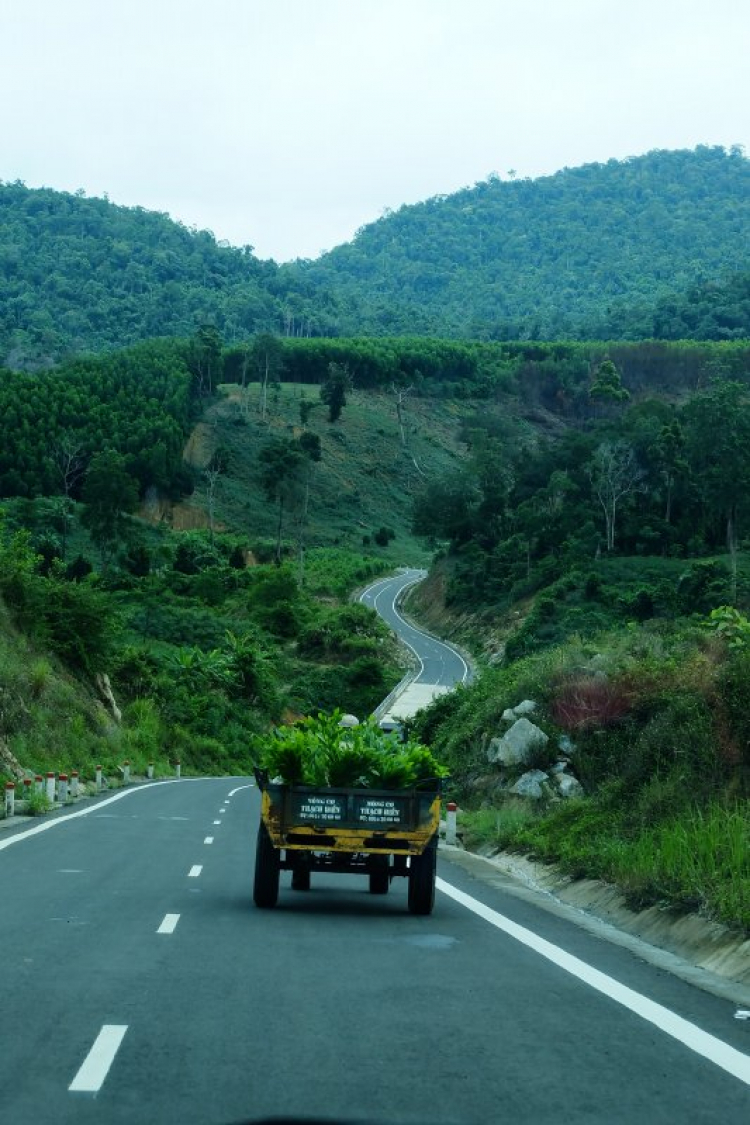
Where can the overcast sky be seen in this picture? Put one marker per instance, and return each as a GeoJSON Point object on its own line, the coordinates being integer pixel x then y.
{"type": "Point", "coordinates": [287, 124]}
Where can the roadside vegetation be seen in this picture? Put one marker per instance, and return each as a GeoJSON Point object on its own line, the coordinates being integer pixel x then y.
{"type": "Point", "coordinates": [185, 521]}
{"type": "Point", "coordinates": [201, 654]}
{"type": "Point", "coordinates": [652, 718]}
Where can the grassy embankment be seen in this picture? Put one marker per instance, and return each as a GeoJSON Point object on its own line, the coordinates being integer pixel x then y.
{"type": "Point", "coordinates": [657, 715]}
{"type": "Point", "coordinates": [365, 479]}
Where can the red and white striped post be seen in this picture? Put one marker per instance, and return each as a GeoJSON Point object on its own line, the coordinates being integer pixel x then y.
{"type": "Point", "coordinates": [62, 788]}
{"type": "Point", "coordinates": [10, 798]}
{"type": "Point", "coordinates": [51, 788]}
{"type": "Point", "coordinates": [450, 822]}
{"type": "Point", "coordinates": [39, 783]}
{"type": "Point", "coordinates": [74, 779]}
{"type": "Point", "coordinates": [98, 779]}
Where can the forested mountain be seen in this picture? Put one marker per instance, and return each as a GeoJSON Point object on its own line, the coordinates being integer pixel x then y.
{"type": "Point", "coordinates": [79, 274]}
{"type": "Point", "coordinates": [584, 252]}
{"type": "Point", "coordinates": [654, 246]}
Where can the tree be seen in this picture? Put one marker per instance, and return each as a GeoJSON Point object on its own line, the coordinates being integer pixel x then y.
{"type": "Point", "coordinates": [109, 493]}
{"type": "Point", "coordinates": [334, 390]}
{"type": "Point", "coordinates": [606, 384]}
{"type": "Point", "coordinates": [70, 464]}
{"type": "Point", "coordinates": [205, 358]}
{"type": "Point", "coordinates": [282, 464]}
{"type": "Point", "coordinates": [614, 474]}
{"type": "Point", "coordinates": [309, 444]}
{"type": "Point", "coordinates": [268, 358]}
{"type": "Point", "coordinates": [718, 440]}
{"type": "Point", "coordinates": [401, 395]}
{"type": "Point", "coordinates": [211, 475]}
{"type": "Point", "coordinates": [670, 456]}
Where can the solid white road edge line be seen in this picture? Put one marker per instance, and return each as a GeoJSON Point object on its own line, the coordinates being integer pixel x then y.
{"type": "Point", "coordinates": [711, 1048]}
{"type": "Point", "coordinates": [194, 871]}
{"type": "Point", "coordinates": [96, 1065]}
{"type": "Point", "coordinates": [95, 809]}
{"type": "Point", "coordinates": [169, 924]}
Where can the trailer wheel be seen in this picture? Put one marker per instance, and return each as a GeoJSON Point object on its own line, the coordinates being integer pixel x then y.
{"type": "Point", "coordinates": [300, 875]}
{"type": "Point", "coordinates": [422, 880]}
{"type": "Point", "coordinates": [267, 867]}
{"type": "Point", "coordinates": [379, 878]}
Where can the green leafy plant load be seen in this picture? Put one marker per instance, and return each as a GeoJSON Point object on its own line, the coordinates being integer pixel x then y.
{"type": "Point", "coordinates": [321, 753]}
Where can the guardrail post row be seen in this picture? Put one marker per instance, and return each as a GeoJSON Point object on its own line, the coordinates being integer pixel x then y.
{"type": "Point", "coordinates": [177, 769]}
{"type": "Point", "coordinates": [39, 783]}
{"type": "Point", "coordinates": [126, 772]}
{"type": "Point", "coordinates": [62, 788]}
{"type": "Point", "coordinates": [10, 798]}
{"type": "Point", "coordinates": [98, 779]}
{"type": "Point", "coordinates": [51, 788]}
{"type": "Point", "coordinates": [150, 770]}
{"type": "Point", "coordinates": [74, 784]}
{"type": "Point", "coordinates": [450, 822]}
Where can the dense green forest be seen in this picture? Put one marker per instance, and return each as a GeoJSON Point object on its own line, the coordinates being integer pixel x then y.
{"type": "Point", "coordinates": [528, 511]}
{"type": "Point", "coordinates": [586, 252]}
{"type": "Point", "coordinates": [80, 275]}
{"type": "Point", "coordinates": [654, 246]}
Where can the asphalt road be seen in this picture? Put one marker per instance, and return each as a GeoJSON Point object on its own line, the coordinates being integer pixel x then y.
{"type": "Point", "coordinates": [337, 1004]}
{"type": "Point", "coordinates": [438, 663]}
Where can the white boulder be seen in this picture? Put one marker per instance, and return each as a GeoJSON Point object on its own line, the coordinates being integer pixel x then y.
{"type": "Point", "coordinates": [568, 786]}
{"type": "Point", "coordinates": [517, 744]}
{"type": "Point", "coordinates": [534, 784]}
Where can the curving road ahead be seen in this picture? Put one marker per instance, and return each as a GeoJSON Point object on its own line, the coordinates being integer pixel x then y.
{"type": "Point", "coordinates": [440, 667]}
{"type": "Point", "coordinates": [141, 987]}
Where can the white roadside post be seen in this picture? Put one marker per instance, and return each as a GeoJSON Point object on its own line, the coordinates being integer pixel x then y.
{"type": "Point", "coordinates": [150, 770]}
{"type": "Point", "coordinates": [450, 822]}
{"type": "Point", "coordinates": [39, 783]}
{"type": "Point", "coordinates": [62, 788]}
{"type": "Point", "coordinates": [98, 779]}
{"type": "Point", "coordinates": [51, 788]}
{"type": "Point", "coordinates": [26, 788]}
{"type": "Point", "coordinates": [74, 785]}
{"type": "Point", "coordinates": [126, 772]}
{"type": "Point", "coordinates": [10, 798]}
{"type": "Point", "coordinates": [177, 769]}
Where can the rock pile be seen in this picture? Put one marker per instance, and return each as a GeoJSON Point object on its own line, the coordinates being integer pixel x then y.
{"type": "Point", "coordinates": [522, 744]}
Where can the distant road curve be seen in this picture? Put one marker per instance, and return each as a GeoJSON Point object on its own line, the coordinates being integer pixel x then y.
{"type": "Point", "coordinates": [440, 667]}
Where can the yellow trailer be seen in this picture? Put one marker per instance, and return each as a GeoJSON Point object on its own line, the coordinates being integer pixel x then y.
{"type": "Point", "coordinates": [377, 832]}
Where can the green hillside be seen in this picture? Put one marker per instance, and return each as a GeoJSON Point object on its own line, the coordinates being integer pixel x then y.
{"type": "Point", "coordinates": [80, 275]}
{"type": "Point", "coordinates": [646, 247]}
{"type": "Point", "coordinates": [582, 253]}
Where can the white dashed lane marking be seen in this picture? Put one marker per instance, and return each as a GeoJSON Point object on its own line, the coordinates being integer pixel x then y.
{"type": "Point", "coordinates": [95, 1066]}
{"type": "Point", "coordinates": [208, 840]}
{"type": "Point", "coordinates": [195, 871]}
{"type": "Point", "coordinates": [169, 924]}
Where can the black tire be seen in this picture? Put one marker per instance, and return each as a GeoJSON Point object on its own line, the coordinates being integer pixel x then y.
{"type": "Point", "coordinates": [301, 875]}
{"type": "Point", "coordinates": [379, 879]}
{"type": "Point", "coordinates": [422, 880]}
{"type": "Point", "coordinates": [267, 868]}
